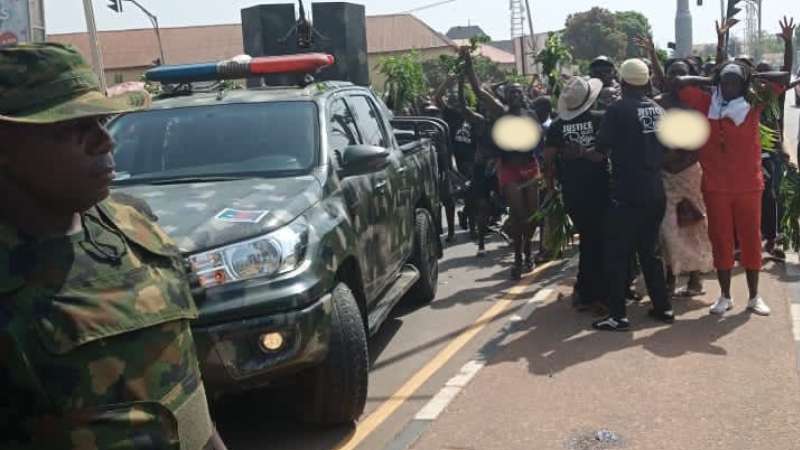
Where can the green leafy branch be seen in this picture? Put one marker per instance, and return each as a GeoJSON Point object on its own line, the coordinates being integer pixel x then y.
{"type": "Point", "coordinates": [790, 191]}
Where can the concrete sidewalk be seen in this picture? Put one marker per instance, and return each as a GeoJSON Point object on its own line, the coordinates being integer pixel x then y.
{"type": "Point", "coordinates": [704, 383]}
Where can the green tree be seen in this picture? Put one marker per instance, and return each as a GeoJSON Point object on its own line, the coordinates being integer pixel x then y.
{"type": "Point", "coordinates": [437, 70]}
{"type": "Point", "coordinates": [552, 57]}
{"type": "Point", "coordinates": [632, 24]}
{"type": "Point", "coordinates": [593, 33]}
{"type": "Point", "coordinates": [405, 80]}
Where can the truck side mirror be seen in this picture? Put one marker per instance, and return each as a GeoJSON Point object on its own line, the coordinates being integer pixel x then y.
{"type": "Point", "coordinates": [358, 160]}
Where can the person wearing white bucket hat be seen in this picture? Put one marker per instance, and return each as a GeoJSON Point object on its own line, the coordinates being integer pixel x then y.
{"type": "Point", "coordinates": [633, 222]}
{"type": "Point", "coordinates": [582, 173]}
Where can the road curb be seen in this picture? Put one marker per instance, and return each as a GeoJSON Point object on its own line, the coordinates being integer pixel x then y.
{"type": "Point", "coordinates": [792, 269]}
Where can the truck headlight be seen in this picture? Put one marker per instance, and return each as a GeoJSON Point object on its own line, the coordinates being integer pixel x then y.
{"type": "Point", "coordinates": [273, 254]}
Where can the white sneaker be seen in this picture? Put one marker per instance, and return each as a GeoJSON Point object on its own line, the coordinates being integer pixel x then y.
{"type": "Point", "coordinates": [757, 306]}
{"type": "Point", "coordinates": [722, 305]}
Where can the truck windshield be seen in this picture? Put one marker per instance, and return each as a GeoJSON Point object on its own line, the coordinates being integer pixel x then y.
{"type": "Point", "coordinates": [220, 141]}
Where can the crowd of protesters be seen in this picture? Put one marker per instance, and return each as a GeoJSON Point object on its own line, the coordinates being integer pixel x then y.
{"type": "Point", "coordinates": [638, 204]}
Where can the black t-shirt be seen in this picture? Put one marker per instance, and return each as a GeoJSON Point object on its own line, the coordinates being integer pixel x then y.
{"type": "Point", "coordinates": [462, 140]}
{"type": "Point", "coordinates": [579, 177]}
{"type": "Point", "coordinates": [628, 136]}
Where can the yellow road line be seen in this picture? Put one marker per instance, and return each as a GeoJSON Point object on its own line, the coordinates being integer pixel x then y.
{"type": "Point", "coordinates": [387, 408]}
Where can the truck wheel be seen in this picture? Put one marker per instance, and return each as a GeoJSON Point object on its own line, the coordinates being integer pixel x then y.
{"type": "Point", "coordinates": [425, 259]}
{"type": "Point", "coordinates": [335, 392]}
{"type": "Point", "coordinates": [797, 100]}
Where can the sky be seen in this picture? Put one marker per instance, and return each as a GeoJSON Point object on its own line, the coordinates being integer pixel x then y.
{"type": "Point", "coordinates": [491, 15]}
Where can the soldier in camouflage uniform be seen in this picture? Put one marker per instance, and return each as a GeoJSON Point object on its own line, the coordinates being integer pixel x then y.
{"type": "Point", "coordinates": [95, 345]}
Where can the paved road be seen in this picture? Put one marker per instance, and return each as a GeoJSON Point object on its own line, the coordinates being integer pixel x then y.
{"type": "Point", "coordinates": [414, 354]}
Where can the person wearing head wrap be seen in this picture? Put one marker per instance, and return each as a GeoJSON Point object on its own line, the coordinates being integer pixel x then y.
{"type": "Point", "coordinates": [685, 244]}
{"type": "Point", "coordinates": [628, 137]}
{"type": "Point", "coordinates": [733, 180]}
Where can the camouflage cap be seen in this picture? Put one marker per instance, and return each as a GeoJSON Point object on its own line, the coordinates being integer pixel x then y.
{"type": "Point", "coordinates": [49, 83]}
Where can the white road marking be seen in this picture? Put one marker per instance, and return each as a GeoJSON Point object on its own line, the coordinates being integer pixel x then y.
{"type": "Point", "coordinates": [455, 385]}
{"type": "Point", "coordinates": [796, 321]}
{"type": "Point", "coordinates": [526, 311]}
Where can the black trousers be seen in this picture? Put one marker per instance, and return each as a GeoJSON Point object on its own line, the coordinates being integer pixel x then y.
{"type": "Point", "coordinates": [634, 230]}
{"type": "Point", "coordinates": [588, 215]}
{"type": "Point", "coordinates": [771, 201]}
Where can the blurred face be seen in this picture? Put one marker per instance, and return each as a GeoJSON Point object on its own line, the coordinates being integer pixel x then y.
{"type": "Point", "coordinates": [67, 166]}
{"type": "Point", "coordinates": [732, 87]}
{"type": "Point", "coordinates": [677, 69]}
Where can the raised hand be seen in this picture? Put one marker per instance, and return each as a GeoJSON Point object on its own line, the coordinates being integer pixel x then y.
{"type": "Point", "coordinates": [787, 30]}
{"type": "Point", "coordinates": [727, 24]}
{"type": "Point", "coordinates": [645, 43]}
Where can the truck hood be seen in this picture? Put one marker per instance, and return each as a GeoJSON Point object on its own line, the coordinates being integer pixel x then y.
{"type": "Point", "coordinates": [190, 213]}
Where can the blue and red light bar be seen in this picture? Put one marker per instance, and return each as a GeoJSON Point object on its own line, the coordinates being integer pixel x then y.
{"type": "Point", "coordinates": [240, 67]}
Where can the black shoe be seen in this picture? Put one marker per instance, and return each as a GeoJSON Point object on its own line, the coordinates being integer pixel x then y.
{"type": "Point", "coordinates": [662, 316]}
{"type": "Point", "coordinates": [450, 238]}
{"type": "Point", "coordinates": [528, 267]}
{"type": "Point", "coordinates": [516, 273]}
{"type": "Point", "coordinates": [612, 324]}
{"type": "Point", "coordinates": [633, 295]}
{"type": "Point", "coordinates": [462, 220]}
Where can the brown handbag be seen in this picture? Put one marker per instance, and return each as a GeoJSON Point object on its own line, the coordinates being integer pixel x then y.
{"type": "Point", "coordinates": [688, 213]}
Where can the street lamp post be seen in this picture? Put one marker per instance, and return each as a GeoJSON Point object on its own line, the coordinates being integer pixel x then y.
{"type": "Point", "coordinates": [154, 22]}
{"type": "Point", "coordinates": [97, 55]}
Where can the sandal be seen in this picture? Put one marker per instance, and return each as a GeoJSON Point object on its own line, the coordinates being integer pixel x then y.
{"type": "Point", "coordinates": [688, 293]}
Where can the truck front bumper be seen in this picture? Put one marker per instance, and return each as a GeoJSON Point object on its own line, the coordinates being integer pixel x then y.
{"type": "Point", "coordinates": [233, 357]}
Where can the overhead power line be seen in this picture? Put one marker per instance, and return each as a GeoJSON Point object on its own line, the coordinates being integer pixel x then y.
{"type": "Point", "coordinates": [432, 5]}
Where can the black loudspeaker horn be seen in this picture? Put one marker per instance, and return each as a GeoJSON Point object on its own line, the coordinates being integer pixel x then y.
{"type": "Point", "coordinates": [339, 29]}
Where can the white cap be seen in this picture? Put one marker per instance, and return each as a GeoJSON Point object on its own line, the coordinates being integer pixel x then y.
{"type": "Point", "coordinates": [635, 72]}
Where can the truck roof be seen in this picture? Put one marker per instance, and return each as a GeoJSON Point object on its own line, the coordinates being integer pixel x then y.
{"type": "Point", "coordinates": [250, 95]}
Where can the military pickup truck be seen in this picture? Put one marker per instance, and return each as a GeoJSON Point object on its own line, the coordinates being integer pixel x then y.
{"type": "Point", "coordinates": [303, 223]}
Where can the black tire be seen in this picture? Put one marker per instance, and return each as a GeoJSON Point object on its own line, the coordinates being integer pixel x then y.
{"type": "Point", "coordinates": [335, 392]}
{"type": "Point", "coordinates": [425, 259]}
{"type": "Point", "coordinates": [797, 100]}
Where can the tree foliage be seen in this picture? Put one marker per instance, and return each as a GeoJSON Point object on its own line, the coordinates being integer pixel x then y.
{"type": "Point", "coordinates": [405, 80]}
{"type": "Point", "coordinates": [552, 57]}
{"type": "Point", "coordinates": [437, 71]}
{"type": "Point", "coordinates": [632, 24]}
{"type": "Point", "coordinates": [593, 33]}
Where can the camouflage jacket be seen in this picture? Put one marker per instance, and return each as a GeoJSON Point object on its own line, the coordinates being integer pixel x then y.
{"type": "Point", "coordinates": [95, 346]}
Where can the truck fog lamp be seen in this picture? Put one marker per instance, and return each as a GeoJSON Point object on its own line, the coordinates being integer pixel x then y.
{"type": "Point", "coordinates": [272, 342]}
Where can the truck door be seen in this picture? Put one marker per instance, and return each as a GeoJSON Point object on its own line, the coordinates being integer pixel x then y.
{"type": "Point", "coordinates": [343, 132]}
{"type": "Point", "coordinates": [389, 187]}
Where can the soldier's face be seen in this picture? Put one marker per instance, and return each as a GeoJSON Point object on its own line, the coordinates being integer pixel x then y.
{"type": "Point", "coordinates": [68, 165]}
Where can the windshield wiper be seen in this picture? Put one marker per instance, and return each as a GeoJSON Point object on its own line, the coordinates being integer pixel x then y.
{"type": "Point", "coordinates": [175, 180]}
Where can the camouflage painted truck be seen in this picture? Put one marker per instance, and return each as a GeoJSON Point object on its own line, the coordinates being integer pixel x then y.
{"type": "Point", "coordinates": [303, 223]}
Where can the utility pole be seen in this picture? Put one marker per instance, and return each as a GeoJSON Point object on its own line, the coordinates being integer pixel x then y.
{"type": "Point", "coordinates": [97, 55]}
{"type": "Point", "coordinates": [530, 25]}
{"type": "Point", "coordinates": [683, 30]}
{"type": "Point", "coordinates": [154, 21]}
